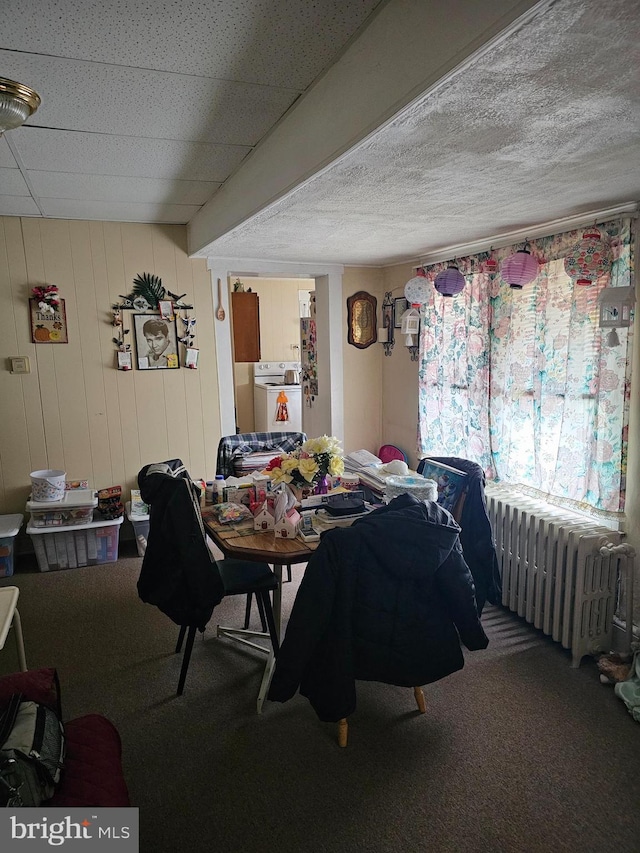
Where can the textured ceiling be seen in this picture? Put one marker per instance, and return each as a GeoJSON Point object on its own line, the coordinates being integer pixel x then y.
{"type": "Point", "coordinates": [148, 108]}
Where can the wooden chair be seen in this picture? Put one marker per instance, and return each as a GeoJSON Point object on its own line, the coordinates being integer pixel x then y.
{"type": "Point", "coordinates": [343, 725]}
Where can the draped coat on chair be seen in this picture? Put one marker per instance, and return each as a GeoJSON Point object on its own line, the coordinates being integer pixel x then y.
{"type": "Point", "coordinates": [388, 599]}
{"type": "Point", "coordinates": [179, 574]}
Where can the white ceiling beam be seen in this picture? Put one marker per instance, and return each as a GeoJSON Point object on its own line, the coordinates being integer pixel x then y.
{"type": "Point", "coordinates": [407, 47]}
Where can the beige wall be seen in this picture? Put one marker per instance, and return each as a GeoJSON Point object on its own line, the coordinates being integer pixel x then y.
{"type": "Point", "coordinates": [279, 335]}
{"type": "Point", "coordinates": [362, 369]}
{"type": "Point", "coordinates": [75, 411]}
{"type": "Point", "coordinates": [400, 379]}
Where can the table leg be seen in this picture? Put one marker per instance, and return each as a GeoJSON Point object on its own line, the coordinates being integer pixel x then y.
{"type": "Point", "coordinates": [17, 630]}
{"type": "Point", "coordinates": [271, 658]}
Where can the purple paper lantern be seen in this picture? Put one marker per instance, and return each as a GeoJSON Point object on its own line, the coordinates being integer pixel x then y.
{"type": "Point", "coordinates": [449, 281]}
{"type": "Point", "coordinates": [519, 269]}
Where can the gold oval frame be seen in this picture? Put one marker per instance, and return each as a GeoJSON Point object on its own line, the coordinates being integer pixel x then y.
{"type": "Point", "coordinates": [362, 328]}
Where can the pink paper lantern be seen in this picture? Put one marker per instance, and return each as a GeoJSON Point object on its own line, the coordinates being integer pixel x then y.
{"type": "Point", "coordinates": [449, 281]}
{"type": "Point", "coordinates": [519, 269]}
{"type": "Point", "coordinates": [589, 259]}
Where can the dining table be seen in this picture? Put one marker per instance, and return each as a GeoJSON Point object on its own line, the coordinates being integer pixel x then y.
{"type": "Point", "coordinates": [241, 542]}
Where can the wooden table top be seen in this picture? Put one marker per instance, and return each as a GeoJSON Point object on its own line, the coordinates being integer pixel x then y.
{"type": "Point", "coordinates": [242, 542]}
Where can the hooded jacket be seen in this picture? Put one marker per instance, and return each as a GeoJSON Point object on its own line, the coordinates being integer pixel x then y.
{"type": "Point", "coordinates": [388, 599]}
{"type": "Point", "coordinates": [179, 575]}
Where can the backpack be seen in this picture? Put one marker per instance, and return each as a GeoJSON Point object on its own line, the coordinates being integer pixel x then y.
{"type": "Point", "coordinates": [32, 747]}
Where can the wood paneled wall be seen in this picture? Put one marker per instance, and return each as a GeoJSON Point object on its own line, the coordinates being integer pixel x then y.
{"type": "Point", "coordinates": [75, 410]}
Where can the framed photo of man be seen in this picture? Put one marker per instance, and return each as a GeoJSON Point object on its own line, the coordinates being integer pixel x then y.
{"type": "Point", "coordinates": [156, 342]}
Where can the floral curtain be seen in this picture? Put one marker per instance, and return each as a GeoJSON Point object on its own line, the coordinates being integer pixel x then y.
{"type": "Point", "coordinates": [522, 381]}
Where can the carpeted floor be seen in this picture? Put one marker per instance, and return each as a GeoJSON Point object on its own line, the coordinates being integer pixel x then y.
{"type": "Point", "coordinates": [518, 752]}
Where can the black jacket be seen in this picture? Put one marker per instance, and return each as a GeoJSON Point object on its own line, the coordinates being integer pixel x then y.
{"type": "Point", "coordinates": [179, 575]}
{"type": "Point", "coordinates": [387, 599]}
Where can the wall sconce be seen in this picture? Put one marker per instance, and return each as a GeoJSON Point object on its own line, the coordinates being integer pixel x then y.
{"type": "Point", "coordinates": [386, 333]}
{"type": "Point", "coordinates": [411, 328]}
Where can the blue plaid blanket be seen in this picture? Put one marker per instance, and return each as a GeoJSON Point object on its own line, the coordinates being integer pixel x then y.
{"type": "Point", "coordinates": [232, 446]}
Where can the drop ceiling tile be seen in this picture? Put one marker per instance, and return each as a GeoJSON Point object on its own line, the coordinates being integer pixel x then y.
{"type": "Point", "coordinates": [94, 153]}
{"type": "Point", "coordinates": [260, 41]}
{"type": "Point", "coordinates": [63, 185]}
{"type": "Point", "coordinates": [13, 183]}
{"type": "Point", "coordinates": [16, 205]}
{"type": "Point", "coordinates": [7, 160]}
{"type": "Point", "coordinates": [123, 101]}
{"type": "Point", "coordinates": [118, 212]}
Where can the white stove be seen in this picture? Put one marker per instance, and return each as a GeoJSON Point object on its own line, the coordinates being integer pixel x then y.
{"type": "Point", "coordinates": [268, 382]}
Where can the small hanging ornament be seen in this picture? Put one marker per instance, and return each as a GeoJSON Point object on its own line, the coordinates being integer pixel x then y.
{"type": "Point", "coordinates": [416, 290]}
{"type": "Point", "coordinates": [589, 259]}
{"type": "Point", "coordinates": [520, 268]}
{"type": "Point", "coordinates": [449, 282]}
{"type": "Point", "coordinates": [282, 412]}
{"type": "Point", "coordinates": [489, 264]}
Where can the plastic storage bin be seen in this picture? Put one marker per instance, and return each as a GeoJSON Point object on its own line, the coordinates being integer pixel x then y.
{"type": "Point", "coordinates": [75, 508]}
{"type": "Point", "coordinates": [9, 527]}
{"type": "Point", "coordinates": [419, 487]}
{"type": "Point", "coordinates": [80, 545]}
{"type": "Point", "coordinates": [140, 529]}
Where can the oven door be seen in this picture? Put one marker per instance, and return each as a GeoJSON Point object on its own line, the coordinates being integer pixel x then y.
{"type": "Point", "coordinates": [266, 408]}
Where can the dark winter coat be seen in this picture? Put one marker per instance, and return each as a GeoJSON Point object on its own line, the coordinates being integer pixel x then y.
{"type": "Point", "coordinates": [387, 599]}
{"type": "Point", "coordinates": [178, 574]}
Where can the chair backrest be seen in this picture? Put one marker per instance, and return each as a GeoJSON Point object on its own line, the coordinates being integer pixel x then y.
{"type": "Point", "coordinates": [476, 536]}
{"type": "Point", "coordinates": [243, 443]}
{"type": "Point", "coordinates": [178, 573]}
{"type": "Point", "coordinates": [389, 452]}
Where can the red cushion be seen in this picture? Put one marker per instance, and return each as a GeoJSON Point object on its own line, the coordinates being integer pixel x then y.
{"type": "Point", "coordinates": [92, 774]}
{"type": "Point", "coordinates": [36, 685]}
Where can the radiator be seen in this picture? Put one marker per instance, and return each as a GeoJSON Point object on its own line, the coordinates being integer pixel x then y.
{"type": "Point", "coordinates": [560, 570]}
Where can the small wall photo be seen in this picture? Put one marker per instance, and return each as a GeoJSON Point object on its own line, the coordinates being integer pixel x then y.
{"type": "Point", "coordinates": [156, 342]}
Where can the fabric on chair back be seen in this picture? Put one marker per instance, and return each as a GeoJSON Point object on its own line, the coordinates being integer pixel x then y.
{"type": "Point", "coordinates": [389, 452]}
{"type": "Point", "coordinates": [179, 574]}
{"type": "Point", "coordinates": [244, 443]}
{"type": "Point", "coordinates": [476, 536]}
{"type": "Point", "coordinates": [388, 599]}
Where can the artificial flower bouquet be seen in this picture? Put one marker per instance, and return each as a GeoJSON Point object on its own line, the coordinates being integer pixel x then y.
{"type": "Point", "coordinates": [47, 298]}
{"type": "Point", "coordinates": [308, 465]}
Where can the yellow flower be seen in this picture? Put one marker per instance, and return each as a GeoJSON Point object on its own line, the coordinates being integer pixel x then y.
{"type": "Point", "coordinates": [323, 444]}
{"type": "Point", "coordinates": [280, 476]}
{"type": "Point", "coordinates": [308, 468]}
{"type": "Point", "coordinates": [336, 466]}
{"type": "Point", "coordinates": [289, 464]}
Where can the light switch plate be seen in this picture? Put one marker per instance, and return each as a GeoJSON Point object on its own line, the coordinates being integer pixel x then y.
{"type": "Point", "coordinates": [20, 364]}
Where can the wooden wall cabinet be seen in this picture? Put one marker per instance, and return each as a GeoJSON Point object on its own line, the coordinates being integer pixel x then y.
{"type": "Point", "coordinates": [245, 310]}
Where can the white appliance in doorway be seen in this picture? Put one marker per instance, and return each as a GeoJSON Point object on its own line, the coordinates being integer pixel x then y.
{"type": "Point", "coordinates": [268, 382]}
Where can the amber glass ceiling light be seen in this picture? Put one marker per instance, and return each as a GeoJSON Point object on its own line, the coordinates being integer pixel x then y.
{"type": "Point", "coordinates": [17, 103]}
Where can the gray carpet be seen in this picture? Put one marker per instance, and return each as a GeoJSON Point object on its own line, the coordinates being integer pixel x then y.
{"type": "Point", "coordinates": [518, 752]}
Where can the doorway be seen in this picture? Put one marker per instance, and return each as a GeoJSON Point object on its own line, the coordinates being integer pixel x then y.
{"type": "Point", "coordinates": [279, 311]}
